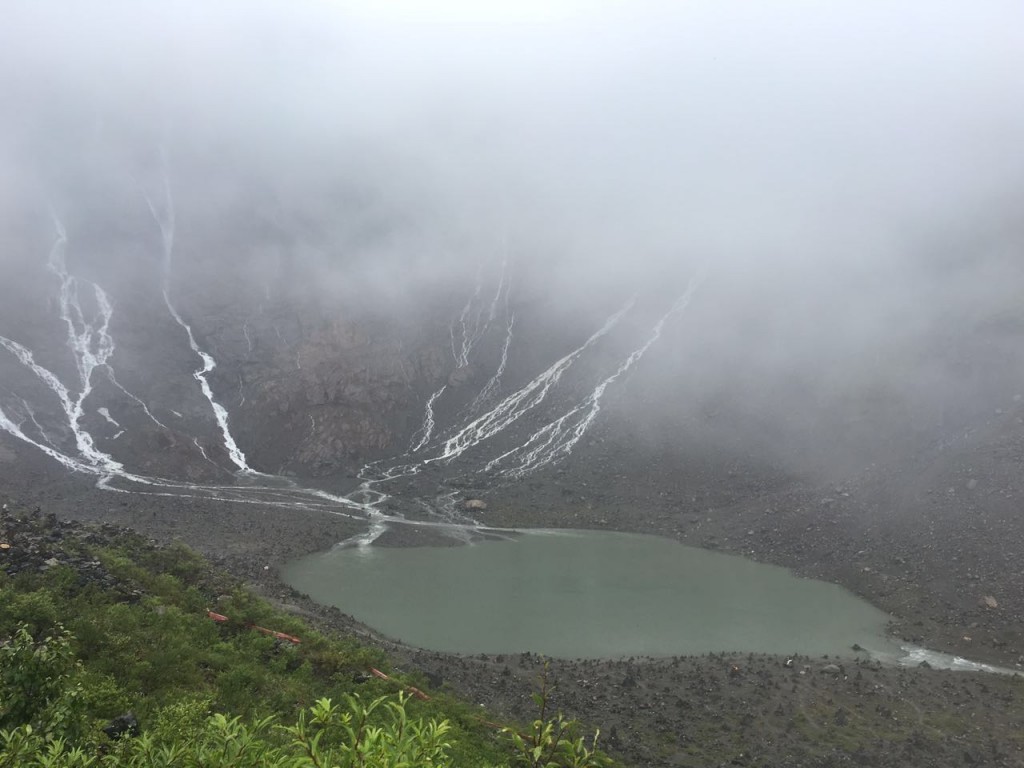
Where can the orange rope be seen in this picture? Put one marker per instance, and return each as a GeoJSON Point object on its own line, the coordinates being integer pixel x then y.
{"type": "Point", "coordinates": [408, 689]}
{"type": "Point", "coordinates": [219, 617]}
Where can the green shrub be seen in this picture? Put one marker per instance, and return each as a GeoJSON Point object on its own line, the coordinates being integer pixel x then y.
{"type": "Point", "coordinates": [38, 686]}
{"type": "Point", "coordinates": [146, 644]}
{"type": "Point", "coordinates": [553, 743]}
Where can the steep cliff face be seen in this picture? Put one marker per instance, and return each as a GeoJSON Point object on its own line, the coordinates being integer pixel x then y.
{"type": "Point", "coordinates": [189, 338]}
{"type": "Point", "coordinates": [331, 397]}
{"type": "Point", "coordinates": [177, 333]}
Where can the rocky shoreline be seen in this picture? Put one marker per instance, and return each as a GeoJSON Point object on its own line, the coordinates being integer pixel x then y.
{"type": "Point", "coordinates": [714, 709]}
{"type": "Point", "coordinates": [928, 564]}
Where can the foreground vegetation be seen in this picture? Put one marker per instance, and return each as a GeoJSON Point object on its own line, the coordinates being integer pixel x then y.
{"type": "Point", "coordinates": [108, 657]}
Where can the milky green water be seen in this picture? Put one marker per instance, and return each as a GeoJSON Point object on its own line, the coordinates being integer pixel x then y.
{"type": "Point", "coordinates": [587, 594]}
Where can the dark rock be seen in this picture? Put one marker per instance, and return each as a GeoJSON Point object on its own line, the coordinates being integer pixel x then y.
{"type": "Point", "coordinates": [122, 725]}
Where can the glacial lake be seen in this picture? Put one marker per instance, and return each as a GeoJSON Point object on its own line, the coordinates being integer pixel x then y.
{"type": "Point", "coordinates": [587, 594]}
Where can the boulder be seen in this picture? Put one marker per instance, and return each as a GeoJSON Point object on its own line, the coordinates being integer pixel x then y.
{"type": "Point", "coordinates": [122, 725]}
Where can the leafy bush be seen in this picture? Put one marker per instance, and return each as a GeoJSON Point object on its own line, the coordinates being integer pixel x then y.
{"type": "Point", "coordinates": [376, 735]}
{"type": "Point", "coordinates": [553, 743]}
{"type": "Point", "coordinates": [38, 685]}
{"type": "Point", "coordinates": [208, 694]}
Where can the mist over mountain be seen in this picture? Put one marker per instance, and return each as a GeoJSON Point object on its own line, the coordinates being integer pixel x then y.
{"type": "Point", "coordinates": [846, 180]}
{"type": "Point", "coordinates": [278, 276]}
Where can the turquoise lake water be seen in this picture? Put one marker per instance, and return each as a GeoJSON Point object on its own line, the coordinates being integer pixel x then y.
{"type": "Point", "coordinates": [587, 594]}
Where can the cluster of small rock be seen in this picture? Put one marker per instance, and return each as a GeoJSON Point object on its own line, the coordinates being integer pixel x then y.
{"type": "Point", "coordinates": [35, 543]}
